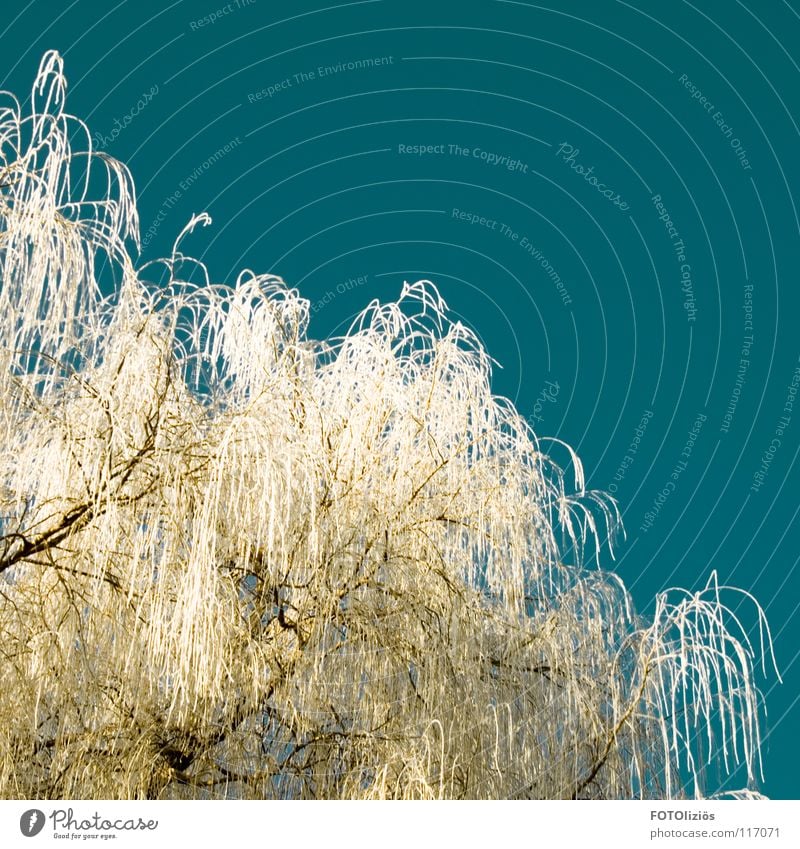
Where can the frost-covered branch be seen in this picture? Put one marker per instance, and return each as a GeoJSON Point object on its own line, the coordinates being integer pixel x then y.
{"type": "Point", "coordinates": [235, 561]}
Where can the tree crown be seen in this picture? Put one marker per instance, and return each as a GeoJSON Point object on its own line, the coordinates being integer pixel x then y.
{"type": "Point", "coordinates": [235, 561]}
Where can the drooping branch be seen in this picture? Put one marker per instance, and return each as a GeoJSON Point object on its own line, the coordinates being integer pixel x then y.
{"type": "Point", "coordinates": [238, 561]}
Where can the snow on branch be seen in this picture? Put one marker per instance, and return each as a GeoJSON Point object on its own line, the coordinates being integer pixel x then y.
{"type": "Point", "coordinates": [236, 561]}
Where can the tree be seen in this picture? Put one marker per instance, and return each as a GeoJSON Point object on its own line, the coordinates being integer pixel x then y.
{"type": "Point", "coordinates": [235, 562]}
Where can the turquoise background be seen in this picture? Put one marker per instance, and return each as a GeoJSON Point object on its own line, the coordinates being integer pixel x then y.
{"type": "Point", "coordinates": [317, 190]}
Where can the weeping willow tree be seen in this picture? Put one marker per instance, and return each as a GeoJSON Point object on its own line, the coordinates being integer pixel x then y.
{"type": "Point", "coordinates": [236, 562]}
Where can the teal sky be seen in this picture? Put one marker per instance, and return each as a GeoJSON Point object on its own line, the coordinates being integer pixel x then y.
{"type": "Point", "coordinates": [605, 191]}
